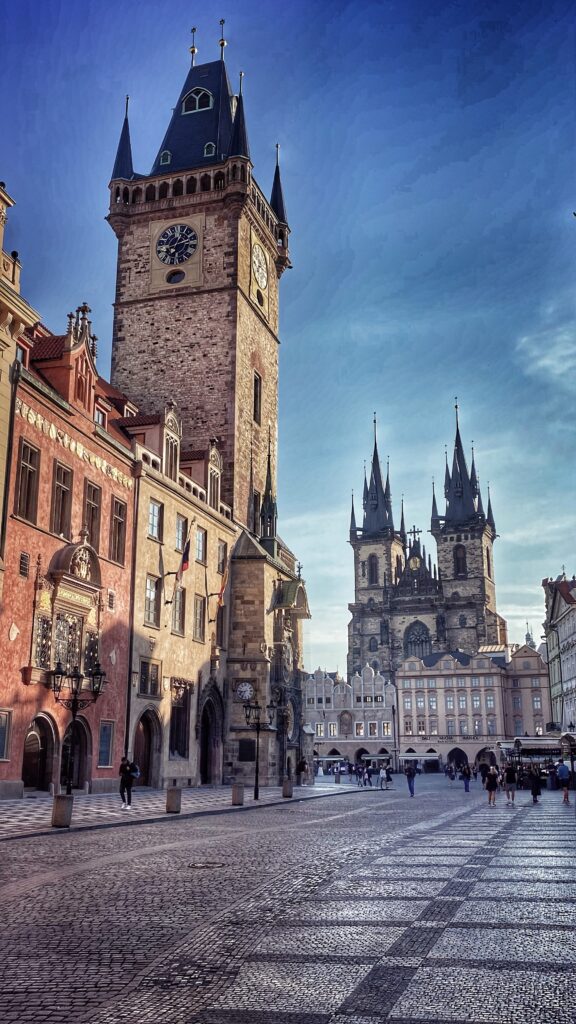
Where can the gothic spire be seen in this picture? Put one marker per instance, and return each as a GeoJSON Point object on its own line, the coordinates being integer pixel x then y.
{"type": "Point", "coordinates": [388, 499]}
{"type": "Point", "coordinates": [435, 518]}
{"type": "Point", "coordinates": [277, 196]}
{"type": "Point", "coordinates": [403, 537]}
{"type": "Point", "coordinates": [123, 167]}
{"type": "Point", "coordinates": [473, 476]}
{"type": "Point", "coordinates": [460, 507]}
{"type": "Point", "coordinates": [378, 505]}
{"type": "Point", "coordinates": [365, 491]}
{"type": "Point", "coordinates": [490, 514]}
{"type": "Point", "coordinates": [446, 475]}
{"type": "Point", "coordinates": [353, 529]}
{"type": "Point", "coordinates": [269, 510]}
{"type": "Point", "coordinates": [239, 142]}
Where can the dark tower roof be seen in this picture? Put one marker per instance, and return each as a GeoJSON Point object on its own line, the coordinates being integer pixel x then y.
{"type": "Point", "coordinates": [239, 143]}
{"type": "Point", "coordinates": [460, 506]}
{"type": "Point", "coordinates": [490, 514]}
{"type": "Point", "coordinates": [403, 536]}
{"type": "Point", "coordinates": [435, 518]}
{"type": "Point", "coordinates": [269, 511]}
{"type": "Point", "coordinates": [378, 508]}
{"type": "Point", "coordinates": [189, 133]}
{"type": "Point", "coordinates": [277, 198]}
{"type": "Point", "coordinates": [353, 527]}
{"type": "Point", "coordinates": [123, 163]}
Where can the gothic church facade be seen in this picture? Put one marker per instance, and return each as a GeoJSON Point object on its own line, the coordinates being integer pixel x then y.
{"type": "Point", "coordinates": [404, 604]}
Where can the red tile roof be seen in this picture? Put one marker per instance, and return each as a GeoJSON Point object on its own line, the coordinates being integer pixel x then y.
{"type": "Point", "coordinates": [138, 421]}
{"type": "Point", "coordinates": [48, 348]}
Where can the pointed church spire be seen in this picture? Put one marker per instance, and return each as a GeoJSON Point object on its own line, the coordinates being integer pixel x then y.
{"type": "Point", "coordinates": [123, 167]}
{"type": "Point", "coordinates": [473, 476]}
{"type": "Point", "coordinates": [460, 507]}
{"type": "Point", "coordinates": [435, 518]}
{"type": "Point", "coordinates": [490, 514]}
{"type": "Point", "coordinates": [277, 197]}
{"type": "Point", "coordinates": [446, 475]}
{"type": "Point", "coordinates": [388, 498]}
{"type": "Point", "coordinates": [239, 141]}
{"type": "Point", "coordinates": [269, 510]}
{"type": "Point", "coordinates": [365, 491]}
{"type": "Point", "coordinates": [403, 536]}
{"type": "Point", "coordinates": [353, 528]}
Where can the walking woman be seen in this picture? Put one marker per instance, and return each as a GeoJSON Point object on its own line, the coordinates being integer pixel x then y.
{"type": "Point", "coordinates": [535, 787]}
{"type": "Point", "coordinates": [492, 785]}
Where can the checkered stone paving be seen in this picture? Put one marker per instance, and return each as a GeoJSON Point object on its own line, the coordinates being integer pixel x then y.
{"type": "Point", "coordinates": [344, 911]}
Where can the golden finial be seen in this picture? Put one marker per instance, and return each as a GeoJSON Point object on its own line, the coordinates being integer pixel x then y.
{"type": "Point", "coordinates": [193, 48]}
{"type": "Point", "coordinates": [222, 40]}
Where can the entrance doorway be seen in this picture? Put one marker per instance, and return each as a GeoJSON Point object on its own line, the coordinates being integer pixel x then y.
{"type": "Point", "coordinates": [210, 746]}
{"type": "Point", "coordinates": [74, 755]}
{"type": "Point", "coordinates": [38, 755]}
{"type": "Point", "coordinates": [143, 749]}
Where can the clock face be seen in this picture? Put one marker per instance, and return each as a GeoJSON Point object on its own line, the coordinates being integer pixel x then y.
{"type": "Point", "coordinates": [259, 267]}
{"type": "Point", "coordinates": [176, 244]}
{"type": "Point", "coordinates": [414, 562]}
{"type": "Point", "coordinates": [245, 691]}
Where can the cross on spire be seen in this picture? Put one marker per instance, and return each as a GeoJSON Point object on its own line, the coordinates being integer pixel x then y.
{"type": "Point", "coordinates": [414, 534]}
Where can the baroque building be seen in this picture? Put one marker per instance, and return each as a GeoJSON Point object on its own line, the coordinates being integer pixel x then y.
{"type": "Point", "coordinates": [201, 252]}
{"type": "Point", "coordinates": [406, 605]}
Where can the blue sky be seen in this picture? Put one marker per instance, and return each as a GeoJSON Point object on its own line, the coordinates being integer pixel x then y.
{"type": "Point", "coordinates": [427, 154]}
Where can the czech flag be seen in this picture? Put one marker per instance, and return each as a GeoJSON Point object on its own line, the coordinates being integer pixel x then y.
{"type": "Point", "coordinates": [185, 562]}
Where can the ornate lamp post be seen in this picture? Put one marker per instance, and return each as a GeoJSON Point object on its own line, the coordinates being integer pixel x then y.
{"type": "Point", "coordinates": [258, 716]}
{"type": "Point", "coordinates": [79, 697]}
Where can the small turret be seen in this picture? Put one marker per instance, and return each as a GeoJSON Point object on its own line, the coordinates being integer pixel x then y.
{"type": "Point", "coordinates": [239, 141]}
{"type": "Point", "coordinates": [269, 512]}
{"type": "Point", "coordinates": [123, 167]}
{"type": "Point", "coordinates": [277, 196]}
{"type": "Point", "coordinates": [353, 528]}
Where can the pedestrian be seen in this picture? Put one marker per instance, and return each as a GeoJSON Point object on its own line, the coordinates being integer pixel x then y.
{"type": "Point", "coordinates": [475, 772]}
{"type": "Point", "coordinates": [388, 775]}
{"type": "Point", "coordinates": [510, 783]}
{"type": "Point", "coordinates": [466, 775]}
{"type": "Point", "coordinates": [491, 785]}
{"type": "Point", "coordinates": [383, 778]}
{"type": "Point", "coordinates": [410, 773]}
{"type": "Point", "coordinates": [359, 774]}
{"type": "Point", "coordinates": [369, 774]}
{"type": "Point", "coordinates": [535, 786]}
{"type": "Point", "coordinates": [563, 776]}
{"type": "Point", "coordinates": [128, 772]}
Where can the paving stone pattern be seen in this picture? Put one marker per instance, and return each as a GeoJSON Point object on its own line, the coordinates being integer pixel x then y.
{"type": "Point", "coordinates": [363, 909]}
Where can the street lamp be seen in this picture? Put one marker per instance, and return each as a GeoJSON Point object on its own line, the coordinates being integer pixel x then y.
{"type": "Point", "coordinates": [256, 716]}
{"type": "Point", "coordinates": [72, 683]}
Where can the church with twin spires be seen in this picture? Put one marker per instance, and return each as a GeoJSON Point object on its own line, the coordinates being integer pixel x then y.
{"type": "Point", "coordinates": [407, 605]}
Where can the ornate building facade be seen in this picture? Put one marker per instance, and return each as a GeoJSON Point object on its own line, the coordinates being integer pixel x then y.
{"type": "Point", "coordinates": [404, 604]}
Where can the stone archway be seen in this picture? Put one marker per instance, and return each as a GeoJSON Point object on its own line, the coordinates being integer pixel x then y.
{"type": "Point", "coordinates": [211, 724]}
{"type": "Point", "coordinates": [146, 748]}
{"type": "Point", "coordinates": [40, 747]}
{"type": "Point", "coordinates": [457, 756]}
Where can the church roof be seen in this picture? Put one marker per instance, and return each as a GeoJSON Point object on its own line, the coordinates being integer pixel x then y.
{"type": "Point", "coordinates": [189, 133]}
{"type": "Point", "coordinates": [123, 163]}
{"type": "Point", "coordinates": [239, 143]}
{"type": "Point", "coordinates": [277, 198]}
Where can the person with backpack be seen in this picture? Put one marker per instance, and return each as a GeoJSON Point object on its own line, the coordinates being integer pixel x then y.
{"type": "Point", "coordinates": [563, 776]}
{"type": "Point", "coordinates": [129, 771]}
{"type": "Point", "coordinates": [410, 773]}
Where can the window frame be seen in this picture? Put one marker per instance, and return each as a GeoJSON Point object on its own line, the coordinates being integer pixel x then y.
{"type": "Point", "coordinates": [178, 627]}
{"type": "Point", "coordinates": [110, 763]}
{"type": "Point", "coordinates": [117, 538]}
{"type": "Point", "coordinates": [7, 714]}
{"type": "Point", "coordinates": [155, 520]}
{"type": "Point", "coordinates": [152, 603]}
{"type": "Point", "coordinates": [146, 691]}
{"type": "Point", "coordinates": [201, 549]}
{"type": "Point", "coordinates": [32, 473]}
{"type": "Point", "coordinates": [179, 545]}
{"type": "Point", "coordinates": [93, 536]}
{"type": "Point", "coordinates": [199, 629]}
{"type": "Point", "coordinates": [61, 510]}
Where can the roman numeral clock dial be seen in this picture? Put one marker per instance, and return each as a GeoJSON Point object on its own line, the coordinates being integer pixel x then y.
{"type": "Point", "coordinates": [176, 244]}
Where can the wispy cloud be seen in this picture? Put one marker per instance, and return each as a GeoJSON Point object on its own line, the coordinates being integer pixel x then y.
{"type": "Point", "coordinates": [550, 352]}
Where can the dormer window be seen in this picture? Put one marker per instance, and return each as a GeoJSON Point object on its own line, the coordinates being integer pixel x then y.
{"type": "Point", "coordinates": [165, 156]}
{"type": "Point", "coordinates": [198, 99]}
{"type": "Point", "coordinates": [100, 417]}
{"type": "Point", "coordinates": [209, 149]}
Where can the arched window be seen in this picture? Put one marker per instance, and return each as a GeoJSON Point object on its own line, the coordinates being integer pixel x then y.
{"type": "Point", "coordinates": [205, 183]}
{"type": "Point", "coordinates": [417, 641]}
{"type": "Point", "coordinates": [178, 187]}
{"type": "Point", "coordinates": [150, 193]}
{"type": "Point", "coordinates": [373, 644]}
{"type": "Point", "coordinates": [198, 99]}
{"type": "Point", "coordinates": [137, 195]}
{"type": "Point", "coordinates": [163, 190]}
{"type": "Point", "coordinates": [459, 554]}
{"type": "Point", "coordinates": [165, 156]}
{"type": "Point", "coordinates": [488, 565]}
{"type": "Point", "coordinates": [190, 186]}
{"type": "Point", "coordinates": [219, 181]}
{"type": "Point", "coordinates": [209, 149]}
{"type": "Point", "coordinates": [372, 570]}
{"type": "Point", "coordinates": [125, 195]}
{"type": "Point", "coordinates": [171, 467]}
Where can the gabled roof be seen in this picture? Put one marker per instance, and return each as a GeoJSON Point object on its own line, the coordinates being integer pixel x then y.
{"type": "Point", "coordinates": [51, 347]}
{"type": "Point", "coordinates": [188, 134]}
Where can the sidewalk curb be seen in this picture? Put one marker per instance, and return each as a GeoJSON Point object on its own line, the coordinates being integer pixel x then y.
{"type": "Point", "coordinates": [167, 818]}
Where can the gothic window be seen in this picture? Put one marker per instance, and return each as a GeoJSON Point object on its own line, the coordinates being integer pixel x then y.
{"type": "Point", "coordinates": [171, 466]}
{"type": "Point", "coordinates": [165, 156]}
{"type": "Point", "coordinates": [178, 187]}
{"type": "Point", "coordinates": [372, 570]}
{"type": "Point", "coordinates": [373, 644]}
{"type": "Point", "coordinates": [219, 181]}
{"type": "Point", "coordinates": [163, 190]}
{"type": "Point", "coordinates": [205, 183]}
{"type": "Point", "coordinates": [179, 724]}
{"type": "Point", "coordinates": [137, 195]}
{"type": "Point", "coordinates": [460, 560]}
{"type": "Point", "coordinates": [198, 99]}
{"type": "Point", "coordinates": [462, 620]}
{"type": "Point", "coordinates": [190, 186]}
{"type": "Point", "coordinates": [214, 488]}
{"type": "Point", "coordinates": [488, 565]}
{"type": "Point", "coordinates": [417, 641]}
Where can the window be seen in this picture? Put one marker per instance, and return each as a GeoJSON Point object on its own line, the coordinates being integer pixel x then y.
{"type": "Point", "coordinates": [490, 704]}
{"type": "Point", "coordinates": [449, 702]}
{"type": "Point", "coordinates": [535, 681]}
{"type": "Point", "coordinates": [320, 700]}
{"type": "Point", "coordinates": [477, 726]}
{"type": "Point", "coordinates": [92, 508]}
{"type": "Point", "coordinates": [461, 680]}
{"type": "Point", "coordinates": [152, 601]}
{"type": "Point", "coordinates": [24, 564]}
{"type": "Point", "coordinates": [332, 729]}
{"type": "Point", "coordinates": [417, 641]}
{"type": "Point", "coordinates": [181, 532]}
{"type": "Point", "coordinates": [319, 728]}
{"type": "Point", "coordinates": [537, 702]}
{"type": "Point", "coordinates": [368, 699]}
{"type": "Point", "coordinates": [491, 726]}
{"type": "Point", "coordinates": [117, 531]}
{"type": "Point", "coordinates": [526, 664]}
{"type": "Point", "coordinates": [515, 683]}
{"type": "Point", "coordinates": [222, 556]}
{"type": "Point", "coordinates": [359, 728]}
{"type": "Point", "coordinates": [199, 617]}
{"type": "Point", "coordinates": [100, 417]}
{"type": "Point", "coordinates": [475, 681]}
{"type": "Point", "coordinates": [373, 644]}
{"type": "Point", "coordinates": [463, 727]}
{"type": "Point", "coordinates": [406, 684]}
{"type": "Point", "coordinates": [518, 730]}
{"type": "Point", "coordinates": [165, 156]}
{"type": "Point", "coordinates": [28, 482]}
{"type": "Point", "coordinates": [21, 355]}
{"type": "Point", "coordinates": [386, 729]}
{"type": "Point", "coordinates": [372, 570]}
{"type": "Point", "coordinates": [462, 702]}
{"type": "Point", "coordinates": [476, 702]}
{"type": "Point", "coordinates": [450, 727]}
{"type": "Point", "coordinates": [459, 560]}
{"type": "Point", "coordinates": [43, 642]}
{"type": "Point", "coordinates": [431, 684]}
{"type": "Point", "coordinates": [408, 727]}
{"type": "Point", "coordinates": [61, 500]}
{"type": "Point", "coordinates": [407, 703]}
{"type": "Point", "coordinates": [209, 149]}
{"type": "Point", "coordinates": [373, 729]}
{"type": "Point", "coordinates": [180, 724]}
{"type": "Point", "coordinates": [517, 702]}
{"type": "Point", "coordinates": [68, 640]}
{"type": "Point", "coordinates": [214, 488]}
{"type": "Point", "coordinates": [433, 727]}
{"type": "Point", "coordinates": [256, 505]}
{"type": "Point", "coordinates": [201, 545]}
{"type": "Point", "coordinates": [171, 458]}
{"type": "Point", "coordinates": [155, 516]}
{"type": "Point", "coordinates": [379, 698]}
{"type": "Point", "coordinates": [198, 99]}
{"type": "Point", "coordinates": [149, 678]}
{"type": "Point", "coordinates": [420, 702]}
{"type": "Point", "coordinates": [538, 730]}
{"type": "Point", "coordinates": [432, 702]}
{"type": "Point", "coordinates": [257, 398]}
{"type": "Point", "coordinates": [178, 610]}
{"type": "Point", "coordinates": [310, 700]}
{"type": "Point", "coordinates": [5, 721]}
{"type": "Point", "coordinates": [105, 744]}
{"type": "Point", "coordinates": [91, 651]}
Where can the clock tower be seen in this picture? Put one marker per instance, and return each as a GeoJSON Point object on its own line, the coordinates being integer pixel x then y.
{"type": "Point", "coordinates": [200, 254]}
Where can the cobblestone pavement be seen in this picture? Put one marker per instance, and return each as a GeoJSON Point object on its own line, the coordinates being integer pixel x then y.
{"type": "Point", "coordinates": [364, 909]}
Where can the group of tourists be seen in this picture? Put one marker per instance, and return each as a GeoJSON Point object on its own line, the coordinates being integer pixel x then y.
{"type": "Point", "coordinates": [510, 777]}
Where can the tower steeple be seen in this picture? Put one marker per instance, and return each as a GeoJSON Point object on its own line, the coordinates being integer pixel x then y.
{"type": "Point", "coordinates": [269, 511]}
{"type": "Point", "coordinates": [353, 528]}
{"type": "Point", "coordinates": [460, 508]}
{"type": "Point", "coordinates": [490, 514]}
{"type": "Point", "coordinates": [239, 142]}
{"type": "Point", "coordinates": [277, 196]}
{"type": "Point", "coordinates": [123, 167]}
{"type": "Point", "coordinates": [435, 518]}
